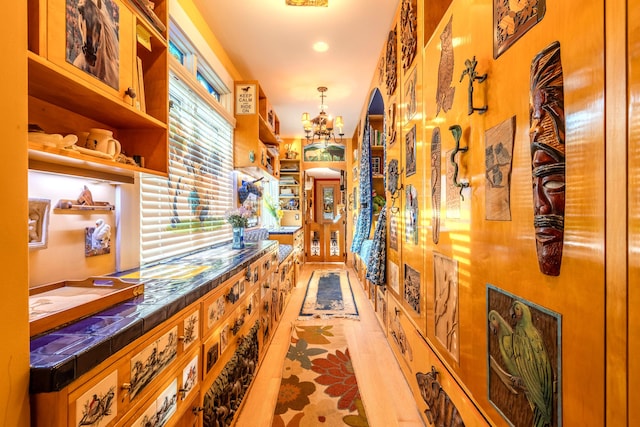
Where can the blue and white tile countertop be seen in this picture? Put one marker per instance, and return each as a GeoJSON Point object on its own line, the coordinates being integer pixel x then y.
{"type": "Point", "coordinates": [63, 355]}
{"type": "Point", "coordinates": [284, 230]}
{"type": "Point", "coordinates": [284, 250]}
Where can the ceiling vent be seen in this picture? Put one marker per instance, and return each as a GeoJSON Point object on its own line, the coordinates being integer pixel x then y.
{"type": "Point", "coordinates": [317, 3]}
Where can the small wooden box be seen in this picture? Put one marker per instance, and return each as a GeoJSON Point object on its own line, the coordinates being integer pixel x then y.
{"type": "Point", "coordinates": [56, 304]}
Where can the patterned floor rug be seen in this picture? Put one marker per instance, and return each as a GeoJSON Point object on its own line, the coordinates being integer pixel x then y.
{"type": "Point", "coordinates": [318, 385]}
{"type": "Point", "coordinates": [328, 295]}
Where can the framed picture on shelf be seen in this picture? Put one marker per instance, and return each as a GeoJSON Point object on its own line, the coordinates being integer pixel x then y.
{"type": "Point", "coordinates": [38, 223]}
{"type": "Point", "coordinates": [376, 165]}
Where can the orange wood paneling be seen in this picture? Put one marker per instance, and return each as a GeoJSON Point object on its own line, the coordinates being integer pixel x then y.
{"type": "Point", "coordinates": [617, 362]}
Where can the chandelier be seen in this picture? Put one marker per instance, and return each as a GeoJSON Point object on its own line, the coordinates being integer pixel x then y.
{"type": "Point", "coordinates": [321, 127]}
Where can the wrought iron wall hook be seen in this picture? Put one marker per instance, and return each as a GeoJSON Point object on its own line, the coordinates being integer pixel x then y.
{"type": "Point", "coordinates": [395, 196]}
{"type": "Point", "coordinates": [470, 70]}
{"type": "Point", "coordinates": [434, 372]}
{"type": "Point", "coordinates": [456, 130]}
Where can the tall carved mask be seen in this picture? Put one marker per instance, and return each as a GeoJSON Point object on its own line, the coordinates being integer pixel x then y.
{"type": "Point", "coordinates": [547, 135]}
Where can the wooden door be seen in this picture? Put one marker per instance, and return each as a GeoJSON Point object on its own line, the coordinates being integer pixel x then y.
{"type": "Point", "coordinates": [326, 223]}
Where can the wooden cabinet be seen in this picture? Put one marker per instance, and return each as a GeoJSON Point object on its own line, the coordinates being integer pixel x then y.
{"type": "Point", "coordinates": [173, 371]}
{"type": "Point", "coordinates": [256, 136]}
{"type": "Point", "coordinates": [119, 84]}
{"type": "Point", "coordinates": [290, 192]}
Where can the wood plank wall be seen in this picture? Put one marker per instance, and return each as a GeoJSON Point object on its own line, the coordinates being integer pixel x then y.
{"type": "Point", "coordinates": [591, 295]}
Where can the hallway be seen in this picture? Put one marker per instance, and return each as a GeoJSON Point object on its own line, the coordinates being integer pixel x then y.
{"type": "Point", "coordinates": [386, 395]}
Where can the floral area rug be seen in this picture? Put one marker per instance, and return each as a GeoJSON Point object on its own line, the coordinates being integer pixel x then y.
{"type": "Point", "coordinates": [318, 386]}
{"type": "Point", "coordinates": [328, 295]}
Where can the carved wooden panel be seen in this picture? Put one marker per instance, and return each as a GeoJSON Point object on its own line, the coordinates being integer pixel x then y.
{"type": "Point", "coordinates": [441, 410]}
{"type": "Point", "coordinates": [498, 153]}
{"type": "Point", "coordinates": [524, 360]}
{"type": "Point", "coordinates": [409, 29]}
{"type": "Point", "coordinates": [436, 183]}
{"type": "Point", "coordinates": [512, 19]}
{"type": "Point", "coordinates": [445, 280]}
{"type": "Point", "coordinates": [444, 91]}
{"type": "Point", "coordinates": [392, 61]}
{"type": "Point", "coordinates": [225, 395]}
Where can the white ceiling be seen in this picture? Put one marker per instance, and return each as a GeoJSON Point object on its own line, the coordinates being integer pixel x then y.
{"type": "Point", "coordinates": [272, 43]}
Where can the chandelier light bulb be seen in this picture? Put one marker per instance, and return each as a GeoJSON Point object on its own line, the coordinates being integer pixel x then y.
{"type": "Point", "coordinates": [321, 127]}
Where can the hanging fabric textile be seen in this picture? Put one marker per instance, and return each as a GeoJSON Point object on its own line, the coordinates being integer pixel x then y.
{"type": "Point", "coordinates": [378, 257]}
{"type": "Point", "coordinates": [363, 226]}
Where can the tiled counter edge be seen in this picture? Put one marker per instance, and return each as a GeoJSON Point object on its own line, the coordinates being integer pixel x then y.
{"type": "Point", "coordinates": [61, 356]}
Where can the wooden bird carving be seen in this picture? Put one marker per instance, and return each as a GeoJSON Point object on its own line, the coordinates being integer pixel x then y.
{"type": "Point", "coordinates": [526, 361]}
{"type": "Point", "coordinates": [445, 91]}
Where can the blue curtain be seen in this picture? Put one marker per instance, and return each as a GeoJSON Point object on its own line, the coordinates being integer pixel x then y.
{"type": "Point", "coordinates": [376, 268]}
{"type": "Point", "coordinates": [363, 226]}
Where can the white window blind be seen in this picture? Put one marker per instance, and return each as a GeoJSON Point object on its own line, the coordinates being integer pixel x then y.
{"type": "Point", "coordinates": [186, 211]}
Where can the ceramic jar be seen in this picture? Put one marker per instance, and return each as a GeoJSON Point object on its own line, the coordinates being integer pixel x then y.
{"type": "Point", "coordinates": [102, 140]}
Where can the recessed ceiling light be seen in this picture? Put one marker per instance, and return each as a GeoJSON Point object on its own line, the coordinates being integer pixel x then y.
{"type": "Point", "coordinates": [320, 3]}
{"type": "Point", "coordinates": [320, 47]}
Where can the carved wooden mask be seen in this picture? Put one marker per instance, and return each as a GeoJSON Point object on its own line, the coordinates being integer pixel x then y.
{"type": "Point", "coordinates": [547, 134]}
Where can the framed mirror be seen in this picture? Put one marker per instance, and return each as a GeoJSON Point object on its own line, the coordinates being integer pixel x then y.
{"type": "Point", "coordinates": [327, 200]}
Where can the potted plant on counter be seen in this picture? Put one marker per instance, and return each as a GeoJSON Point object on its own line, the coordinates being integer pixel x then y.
{"type": "Point", "coordinates": [239, 220]}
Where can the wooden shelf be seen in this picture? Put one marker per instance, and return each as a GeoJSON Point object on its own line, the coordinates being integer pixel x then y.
{"type": "Point", "coordinates": [254, 133]}
{"type": "Point", "coordinates": [59, 160]}
{"type": "Point", "coordinates": [68, 205]}
{"type": "Point", "coordinates": [265, 132]}
{"type": "Point", "coordinates": [80, 97]}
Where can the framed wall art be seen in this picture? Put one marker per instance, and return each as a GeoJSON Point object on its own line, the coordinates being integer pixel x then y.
{"type": "Point", "coordinates": [412, 287]}
{"type": "Point", "coordinates": [410, 156]}
{"type": "Point", "coordinates": [92, 38]}
{"type": "Point", "coordinates": [376, 164]}
{"type": "Point", "coordinates": [38, 223]}
{"type": "Point", "coordinates": [410, 95]}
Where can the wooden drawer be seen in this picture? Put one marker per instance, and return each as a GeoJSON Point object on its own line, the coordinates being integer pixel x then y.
{"type": "Point", "coordinates": [171, 399]}
{"type": "Point", "coordinates": [97, 401]}
{"type": "Point", "coordinates": [150, 360]}
{"type": "Point", "coordinates": [222, 342]}
{"type": "Point", "coordinates": [134, 375]}
{"type": "Point", "coordinates": [220, 302]}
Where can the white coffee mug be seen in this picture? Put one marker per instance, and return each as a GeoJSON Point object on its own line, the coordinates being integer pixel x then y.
{"type": "Point", "coordinates": [102, 140]}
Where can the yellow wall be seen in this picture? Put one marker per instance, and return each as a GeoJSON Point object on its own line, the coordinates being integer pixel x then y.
{"type": "Point", "coordinates": [14, 351]}
{"type": "Point", "coordinates": [205, 32]}
{"type": "Point", "coordinates": [590, 293]}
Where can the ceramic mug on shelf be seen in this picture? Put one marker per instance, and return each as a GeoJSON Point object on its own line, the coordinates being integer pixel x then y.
{"type": "Point", "coordinates": [102, 140]}
{"type": "Point", "coordinates": [83, 137]}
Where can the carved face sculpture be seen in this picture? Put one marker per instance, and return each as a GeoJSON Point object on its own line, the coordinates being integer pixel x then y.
{"type": "Point", "coordinates": [547, 135]}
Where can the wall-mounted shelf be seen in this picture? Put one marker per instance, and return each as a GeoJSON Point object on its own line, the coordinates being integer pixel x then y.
{"type": "Point", "coordinates": [68, 205]}
{"type": "Point", "coordinates": [66, 99]}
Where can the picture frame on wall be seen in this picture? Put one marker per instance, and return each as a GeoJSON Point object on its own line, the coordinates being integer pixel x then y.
{"type": "Point", "coordinates": [97, 55]}
{"type": "Point", "coordinates": [376, 165]}
{"type": "Point", "coordinates": [38, 223]}
{"type": "Point", "coordinates": [410, 152]}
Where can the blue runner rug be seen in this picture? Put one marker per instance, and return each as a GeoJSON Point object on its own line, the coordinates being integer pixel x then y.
{"type": "Point", "coordinates": [329, 295]}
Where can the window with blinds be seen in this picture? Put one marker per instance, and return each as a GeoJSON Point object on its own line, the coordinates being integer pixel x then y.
{"type": "Point", "coordinates": [187, 211]}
